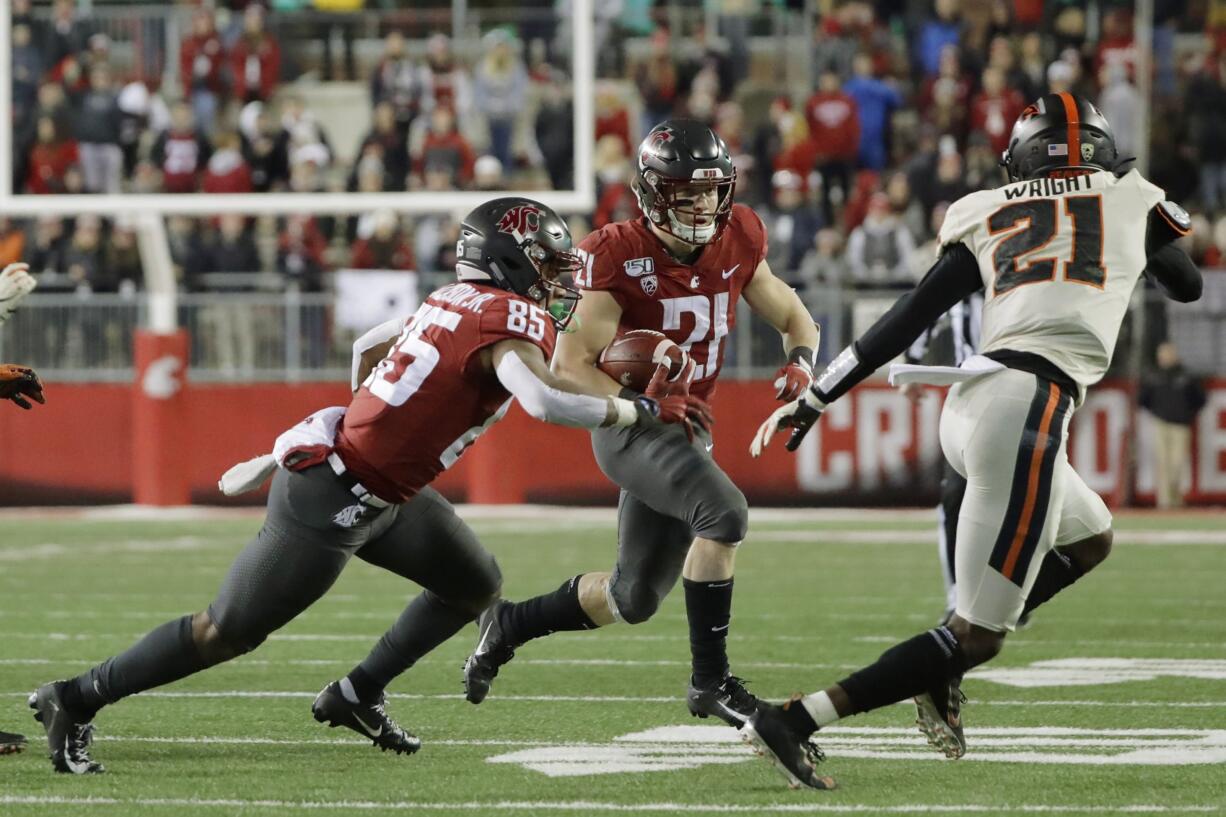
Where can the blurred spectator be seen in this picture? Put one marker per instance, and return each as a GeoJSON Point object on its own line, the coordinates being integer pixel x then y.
{"type": "Point", "coordinates": [1033, 68]}
{"type": "Point", "coordinates": [97, 131]}
{"type": "Point", "coordinates": [880, 252]}
{"type": "Point", "coordinates": [983, 170]}
{"type": "Point", "coordinates": [388, 142]}
{"type": "Point", "coordinates": [181, 151]}
{"type": "Point", "coordinates": [615, 201]}
{"type": "Point", "coordinates": [995, 109]}
{"type": "Point", "coordinates": [792, 224]}
{"type": "Point", "coordinates": [44, 248]}
{"type": "Point", "coordinates": [186, 251]}
{"type": "Point", "coordinates": [797, 152]}
{"type": "Point", "coordinates": [443, 80]}
{"type": "Point", "coordinates": [122, 257]}
{"type": "Point", "coordinates": [255, 58]}
{"type": "Point", "coordinates": [730, 125]}
{"type": "Point", "coordinates": [500, 88]}
{"type": "Point", "coordinates": [612, 117]}
{"type": "Point", "coordinates": [300, 253]}
{"type": "Point", "coordinates": [1120, 102]}
{"type": "Point", "coordinates": [307, 137]}
{"type": "Point", "coordinates": [339, 17]}
{"type": "Point", "coordinates": [137, 107]}
{"type": "Point", "coordinates": [707, 66]}
{"type": "Point", "coordinates": [1065, 21]}
{"type": "Point", "coordinates": [936, 33]}
{"type": "Point", "coordinates": [232, 248]}
{"type": "Point", "coordinates": [395, 81]}
{"type": "Point", "coordinates": [927, 253]}
{"type": "Point", "coordinates": [386, 249]}
{"type": "Point", "coordinates": [50, 158]}
{"type": "Point", "coordinates": [834, 125]}
{"type": "Point", "coordinates": [27, 65]}
{"type": "Point", "coordinates": [824, 263]}
{"type": "Point", "coordinates": [65, 36]}
{"type": "Point", "coordinates": [445, 149]}
{"type": "Point", "coordinates": [265, 148]}
{"type": "Point", "coordinates": [904, 205]}
{"type": "Point", "coordinates": [1174, 397]}
{"type": "Point", "coordinates": [1115, 43]}
{"type": "Point", "coordinates": [201, 58]}
{"type": "Point", "coordinates": [555, 132]}
{"type": "Point", "coordinates": [875, 101]}
{"type": "Point", "coordinates": [767, 142]}
{"type": "Point", "coordinates": [948, 184]}
{"type": "Point", "coordinates": [82, 258]}
{"type": "Point", "coordinates": [227, 171]}
{"type": "Point", "coordinates": [488, 175]}
{"type": "Point", "coordinates": [945, 98]}
{"type": "Point", "coordinates": [1207, 124]}
{"type": "Point", "coordinates": [656, 78]}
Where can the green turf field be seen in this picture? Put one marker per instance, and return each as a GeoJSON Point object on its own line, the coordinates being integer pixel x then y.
{"type": "Point", "coordinates": [1114, 701]}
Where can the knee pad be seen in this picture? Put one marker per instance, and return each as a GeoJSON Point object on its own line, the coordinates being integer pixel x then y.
{"type": "Point", "coordinates": [216, 645]}
{"type": "Point", "coordinates": [632, 603]}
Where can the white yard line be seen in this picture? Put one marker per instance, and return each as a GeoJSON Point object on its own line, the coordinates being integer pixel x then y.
{"type": "Point", "coordinates": [582, 806]}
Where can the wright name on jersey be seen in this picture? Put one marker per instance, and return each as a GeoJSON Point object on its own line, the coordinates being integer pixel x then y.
{"type": "Point", "coordinates": [1059, 258]}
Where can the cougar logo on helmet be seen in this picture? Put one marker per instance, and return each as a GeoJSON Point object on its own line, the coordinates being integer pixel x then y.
{"type": "Point", "coordinates": [520, 220]}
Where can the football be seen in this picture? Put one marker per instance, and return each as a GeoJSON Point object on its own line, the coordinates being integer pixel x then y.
{"type": "Point", "coordinates": [632, 358]}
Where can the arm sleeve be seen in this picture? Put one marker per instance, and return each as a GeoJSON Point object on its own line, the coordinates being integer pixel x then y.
{"type": "Point", "coordinates": [1175, 274]}
{"type": "Point", "coordinates": [1167, 223]}
{"type": "Point", "coordinates": [546, 403]}
{"type": "Point", "coordinates": [953, 277]}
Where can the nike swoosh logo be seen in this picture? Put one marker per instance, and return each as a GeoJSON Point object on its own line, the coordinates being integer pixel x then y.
{"type": "Point", "coordinates": [719, 629]}
{"type": "Point", "coordinates": [484, 635]}
{"type": "Point", "coordinates": [374, 733]}
{"type": "Point", "coordinates": [728, 272]}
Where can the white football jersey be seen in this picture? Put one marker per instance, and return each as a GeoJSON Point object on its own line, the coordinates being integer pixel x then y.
{"type": "Point", "coordinates": [1059, 260]}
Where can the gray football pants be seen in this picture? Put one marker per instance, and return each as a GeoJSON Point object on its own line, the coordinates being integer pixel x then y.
{"type": "Point", "coordinates": [671, 491]}
{"type": "Point", "coordinates": [302, 549]}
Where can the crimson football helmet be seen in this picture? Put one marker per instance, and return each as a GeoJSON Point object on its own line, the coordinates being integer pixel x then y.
{"type": "Point", "coordinates": [522, 246]}
{"type": "Point", "coordinates": [1059, 133]}
{"type": "Point", "coordinates": [679, 158]}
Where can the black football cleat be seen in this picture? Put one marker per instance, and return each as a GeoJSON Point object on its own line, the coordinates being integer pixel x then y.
{"type": "Point", "coordinates": [728, 700]}
{"type": "Point", "coordinates": [11, 743]}
{"type": "Point", "coordinates": [69, 735]}
{"type": "Point", "coordinates": [939, 717]}
{"type": "Point", "coordinates": [795, 755]}
{"type": "Point", "coordinates": [370, 720]}
{"type": "Point", "coordinates": [493, 650]}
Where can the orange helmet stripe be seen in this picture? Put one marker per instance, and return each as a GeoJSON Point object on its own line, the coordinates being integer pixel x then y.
{"type": "Point", "coordinates": [1074, 129]}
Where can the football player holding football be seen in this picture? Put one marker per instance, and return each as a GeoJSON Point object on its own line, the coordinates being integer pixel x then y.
{"type": "Point", "coordinates": [429, 386]}
{"type": "Point", "coordinates": [680, 269]}
{"type": "Point", "coordinates": [1058, 250]}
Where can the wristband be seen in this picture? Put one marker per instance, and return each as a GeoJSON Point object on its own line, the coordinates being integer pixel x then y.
{"type": "Point", "coordinates": [627, 412]}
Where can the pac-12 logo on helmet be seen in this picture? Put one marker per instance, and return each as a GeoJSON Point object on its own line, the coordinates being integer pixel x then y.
{"type": "Point", "coordinates": [520, 221]}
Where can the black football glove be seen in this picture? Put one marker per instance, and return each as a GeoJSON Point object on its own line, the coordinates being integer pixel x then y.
{"type": "Point", "coordinates": [799, 415]}
{"type": "Point", "coordinates": [19, 382]}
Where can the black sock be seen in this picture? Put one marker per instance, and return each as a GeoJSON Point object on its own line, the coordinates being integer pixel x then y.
{"type": "Point", "coordinates": [708, 605]}
{"type": "Point", "coordinates": [905, 670]}
{"type": "Point", "coordinates": [1057, 572]}
{"type": "Point", "coordinates": [427, 622]}
{"type": "Point", "coordinates": [166, 654]}
{"type": "Point", "coordinates": [795, 713]}
{"type": "Point", "coordinates": [559, 611]}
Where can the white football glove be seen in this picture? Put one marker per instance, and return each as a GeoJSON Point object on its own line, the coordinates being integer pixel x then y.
{"type": "Point", "coordinates": [15, 284]}
{"type": "Point", "coordinates": [799, 415]}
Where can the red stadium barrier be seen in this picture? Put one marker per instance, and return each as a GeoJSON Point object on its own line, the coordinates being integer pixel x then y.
{"type": "Point", "coordinates": [104, 443]}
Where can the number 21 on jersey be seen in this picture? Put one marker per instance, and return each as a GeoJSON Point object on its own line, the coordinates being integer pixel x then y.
{"type": "Point", "coordinates": [1033, 226]}
{"type": "Point", "coordinates": [710, 324]}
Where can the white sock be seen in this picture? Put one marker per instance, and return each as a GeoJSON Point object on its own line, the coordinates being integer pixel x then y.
{"type": "Point", "coordinates": [348, 692]}
{"type": "Point", "coordinates": [820, 708]}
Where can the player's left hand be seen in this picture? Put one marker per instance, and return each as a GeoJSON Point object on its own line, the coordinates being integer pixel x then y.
{"type": "Point", "coordinates": [662, 385]}
{"type": "Point", "coordinates": [15, 284]}
{"type": "Point", "coordinates": [19, 382]}
{"type": "Point", "coordinates": [799, 415]}
{"type": "Point", "coordinates": [792, 379]}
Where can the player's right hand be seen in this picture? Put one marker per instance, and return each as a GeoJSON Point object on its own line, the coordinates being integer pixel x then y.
{"type": "Point", "coordinates": [662, 385]}
{"type": "Point", "coordinates": [19, 382]}
{"type": "Point", "coordinates": [15, 284]}
{"type": "Point", "coordinates": [684, 409]}
{"type": "Point", "coordinates": [799, 415]}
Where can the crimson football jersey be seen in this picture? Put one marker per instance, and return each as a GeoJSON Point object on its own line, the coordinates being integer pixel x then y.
{"type": "Point", "coordinates": [693, 304]}
{"type": "Point", "coordinates": [428, 400]}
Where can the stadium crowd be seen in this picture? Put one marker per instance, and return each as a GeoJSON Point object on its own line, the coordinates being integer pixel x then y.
{"type": "Point", "coordinates": [908, 108]}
